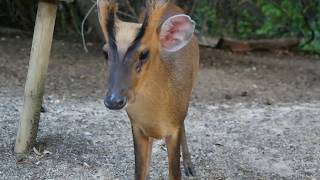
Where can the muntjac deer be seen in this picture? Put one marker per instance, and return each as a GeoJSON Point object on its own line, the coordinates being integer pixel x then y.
{"type": "Point", "coordinates": [152, 69]}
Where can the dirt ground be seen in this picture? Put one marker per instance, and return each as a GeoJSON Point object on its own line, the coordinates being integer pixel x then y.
{"type": "Point", "coordinates": [252, 116]}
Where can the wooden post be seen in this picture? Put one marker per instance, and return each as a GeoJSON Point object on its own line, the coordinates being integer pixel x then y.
{"type": "Point", "coordinates": [38, 65]}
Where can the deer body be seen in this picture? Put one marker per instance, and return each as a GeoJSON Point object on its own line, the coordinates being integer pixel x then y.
{"type": "Point", "coordinates": [154, 77]}
{"type": "Point", "coordinates": [161, 102]}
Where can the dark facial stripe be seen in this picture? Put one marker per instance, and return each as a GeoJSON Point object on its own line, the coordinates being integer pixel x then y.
{"type": "Point", "coordinates": [136, 42]}
{"type": "Point", "coordinates": [142, 30]}
{"type": "Point", "coordinates": [112, 33]}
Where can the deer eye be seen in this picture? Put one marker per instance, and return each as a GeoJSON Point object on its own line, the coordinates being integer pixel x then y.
{"type": "Point", "coordinates": [144, 55]}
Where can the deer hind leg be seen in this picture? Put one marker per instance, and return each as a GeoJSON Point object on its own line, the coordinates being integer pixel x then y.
{"type": "Point", "coordinates": [186, 156]}
{"type": "Point", "coordinates": [142, 152]}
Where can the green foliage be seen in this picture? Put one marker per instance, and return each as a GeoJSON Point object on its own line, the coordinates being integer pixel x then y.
{"type": "Point", "coordinates": [206, 12]}
{"type": "Point", "coordinates": [244, 19]}
{"type": "Point", "coordinates": [262, 19]}
{"type": "Point", "coordinates": [285, 18]}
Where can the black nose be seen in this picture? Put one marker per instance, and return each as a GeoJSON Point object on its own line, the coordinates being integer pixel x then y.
{"type": "Point", "coordinates": [114, 101]}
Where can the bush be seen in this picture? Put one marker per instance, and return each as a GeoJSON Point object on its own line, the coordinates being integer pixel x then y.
{"type": "Point", "coordinates": [262, 19]}
{"type": "Point", "coordinates": [245, 19]}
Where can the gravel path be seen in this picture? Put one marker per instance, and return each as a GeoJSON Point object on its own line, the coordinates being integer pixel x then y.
{"type": "Point", "coordinates": [253, 116]}
{"type": "Point", "coordinates": [238, 141]}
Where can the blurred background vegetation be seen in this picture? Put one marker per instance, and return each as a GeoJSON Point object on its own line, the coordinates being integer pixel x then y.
{"type": "Point", "coordinates": [240, 19]}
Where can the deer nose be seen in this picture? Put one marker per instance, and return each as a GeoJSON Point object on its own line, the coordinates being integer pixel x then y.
{"type": "Point", "coordinates": [115, 101]}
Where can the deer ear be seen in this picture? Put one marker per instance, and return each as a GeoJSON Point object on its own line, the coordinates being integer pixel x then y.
{"type": "Point", "coordinates": [176, 32]}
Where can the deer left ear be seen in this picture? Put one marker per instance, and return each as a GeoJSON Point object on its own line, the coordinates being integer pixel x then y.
{"type": "Point", "coordinates": [176, 32]}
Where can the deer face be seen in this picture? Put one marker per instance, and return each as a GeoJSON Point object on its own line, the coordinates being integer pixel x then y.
{"type": "Point", "coordinates": [132, 49]}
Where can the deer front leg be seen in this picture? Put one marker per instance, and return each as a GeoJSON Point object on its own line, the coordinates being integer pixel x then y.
{"type": "Point", "coordinates": [186, 156]}
{"type": "Point", "coordinates": [142, 152]}
{"type": "Point", "coordinates": [173, 146]}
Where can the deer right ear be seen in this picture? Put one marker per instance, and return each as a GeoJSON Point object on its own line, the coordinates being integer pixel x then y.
{"type": "Point", "coordinates": [176, 32]}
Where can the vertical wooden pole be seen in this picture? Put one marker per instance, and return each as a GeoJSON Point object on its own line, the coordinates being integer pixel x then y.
{"type": "Point", "coordinates": [34, 88]}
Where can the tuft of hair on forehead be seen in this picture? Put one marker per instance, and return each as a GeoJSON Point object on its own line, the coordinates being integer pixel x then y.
{"type": "Point", "coordinates": [151, 21]}
{"type": "Point", "coordinates": [155, 11]}
{"type": "Point", "coordinates": [107, 18]}
{"type": "Point", "coordinates": [106, 4]}
{"type": "Point", "coordinates": [157, 3]}
{"type": "Point", "coordinates": [106, 11]}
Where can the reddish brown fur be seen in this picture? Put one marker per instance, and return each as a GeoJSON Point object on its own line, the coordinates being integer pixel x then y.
{"type": "Point", "coordinates": [165, 87]}
{"type": "Point", "coordinates": [161, 96]}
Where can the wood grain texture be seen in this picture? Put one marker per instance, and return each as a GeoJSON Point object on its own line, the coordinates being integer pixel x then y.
{"type": "Point", "coordinates": [34, 88]}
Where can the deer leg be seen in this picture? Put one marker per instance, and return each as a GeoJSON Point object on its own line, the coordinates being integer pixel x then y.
{"type": "Point", "coordinates": [142, 152]}
{"type": "Point", "coordinates": [173, 147]}
{"type": "Point", "coordinates": [186, 156]}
